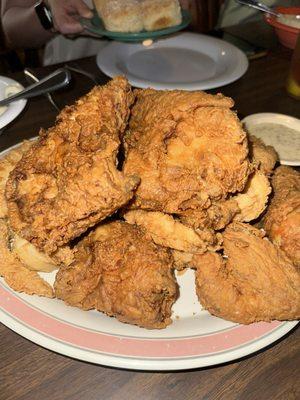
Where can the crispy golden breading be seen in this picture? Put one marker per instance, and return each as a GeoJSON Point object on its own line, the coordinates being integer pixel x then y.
{"type": "Point", "coordinates": [282, 220]}
{"type": "Point", "coordinates": [7, 164]}
{"type": "Point", "coordinates": [22, 249]}
{"type": "Point", "coordinates": [257, 282]}
{"type": "Point", "coordinates": [263, 156]}
{"type": "Point", "coordinates": [17, 276]}
{"type": "Point", "coordinates": [254, 198]}
{"type": "Point", "coordinates": [68, 181]}
{"type": "Point", "coordinates": [218, 215]}
{"type": "Point", "coordinates": [188, 148]}
{"type": "Point", "coordinates": [168, 232]}
{"type": "Point", "coordinates": [182, 259]}
{"type": "Point", "coordinates": [118, 271]}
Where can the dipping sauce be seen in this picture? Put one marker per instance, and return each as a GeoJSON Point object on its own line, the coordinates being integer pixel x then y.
{"type": "Point", "coordinates": [286, 141]}
{"type": "Point", "coordinates": [289, 20]}
{"type": "Point", "coordinates": [9, 91]}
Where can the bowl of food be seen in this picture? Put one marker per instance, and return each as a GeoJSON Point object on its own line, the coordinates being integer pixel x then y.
{"type": "Point", "coordinates": [287, 25]}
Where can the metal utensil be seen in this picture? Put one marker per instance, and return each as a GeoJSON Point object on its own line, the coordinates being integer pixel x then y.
{"type": "Point", "coordinates": [78, 70]}
{"type": "Point", "coordinates": [31, 78]}
{"type": "Point", "coordinates": [258, 6]}
{"type": "Point", "coordinates": [57, 80]}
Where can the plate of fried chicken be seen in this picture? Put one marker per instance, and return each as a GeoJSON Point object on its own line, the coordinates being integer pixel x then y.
{"type": "Point", "coordinates": [147, 230]}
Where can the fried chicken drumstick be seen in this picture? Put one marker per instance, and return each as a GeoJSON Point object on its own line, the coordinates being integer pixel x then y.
{"type": "Point", "coordinates": [68, 181]}
{"type": "Point", "coordinates": [257, 282]}
{"type": "Point", "coordinates": [118, 271]}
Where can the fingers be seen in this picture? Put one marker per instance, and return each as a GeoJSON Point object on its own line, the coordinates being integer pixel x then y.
{"type": "Point", "coordinates": [83, 10]}
{"type": "Point", "coordinates": [67, 25]}
{"type": "Point", "coordinates": [66, 15]}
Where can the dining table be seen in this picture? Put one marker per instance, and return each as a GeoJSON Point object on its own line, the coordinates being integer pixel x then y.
{"type": "Point", "coordinates": [31, 372]}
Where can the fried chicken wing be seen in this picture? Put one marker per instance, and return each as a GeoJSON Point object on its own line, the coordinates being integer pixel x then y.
{"type": "Point", "coordinates": [188, 148]}
{"type": "Point", "coordinates": [256, 282]}
{"type": "Point", "coordinates": [168, 232]}
{"type": "Point", "coordinates": [15, 274]}
{"type": "Point", "coordinates": [68, 181]}
{"type": "Point", "coordinates": [282, 220]}
{"type": "Point", "coordinates": [118, 271]}
{"type": "Point", "coordinates": [263, 156]}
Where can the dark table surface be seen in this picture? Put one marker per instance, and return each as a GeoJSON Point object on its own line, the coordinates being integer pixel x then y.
{"type": "Point", "coordinates": [29, 372]}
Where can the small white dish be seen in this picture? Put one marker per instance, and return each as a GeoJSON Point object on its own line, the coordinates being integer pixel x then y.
{"type": "Point", "coordinates": [187, 61]}
{"type": "Point", "coordinates": [13, 109]}
{"type": "Point", "coordinates": [272, 140]}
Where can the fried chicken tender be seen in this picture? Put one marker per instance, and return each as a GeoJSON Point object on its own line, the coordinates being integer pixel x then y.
{"type": "Point", "coordinates": [189, 150]}
{"type": "Point", "coordinates": [7, 164]}
{"type": "Point", "coordinates": [256, 283]}
{"type": "Point", "coordinates": [68, 181]}
{"type": "Point", "coordinates": [254, 198]}
{"type": "Point", "coordinates": [282, 220]}
{"type": "Point", "coordinates": [168, 232]}
{"type": "Point", "coordinates": [118, 271]}
{"type": "Point", "coordinates": [15, 274]}
{"type": "Point", "coordinates": [263, 156]}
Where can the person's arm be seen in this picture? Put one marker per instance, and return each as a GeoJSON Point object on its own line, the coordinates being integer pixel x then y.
{"type": "Point", "coordinates": [22, 27]}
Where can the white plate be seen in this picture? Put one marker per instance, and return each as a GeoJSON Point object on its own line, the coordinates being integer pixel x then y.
{"type": "Point", "coordinates": [186, 61]}
{"type": "Point", "coordinates": [280, 119]}
{"type": "Point", "coordinates": [195, 339]}
{"type": "Point", "coordinates": [13, 109]}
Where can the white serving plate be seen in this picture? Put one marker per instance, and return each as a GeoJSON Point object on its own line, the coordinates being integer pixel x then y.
{"type": "Point", "coordinates": [187, 61]}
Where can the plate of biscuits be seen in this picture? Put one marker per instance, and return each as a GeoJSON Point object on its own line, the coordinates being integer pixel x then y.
{"type": "Point", "coordinates": [140, 232]}
{"type": "Point", "coordinates": [136, 21]}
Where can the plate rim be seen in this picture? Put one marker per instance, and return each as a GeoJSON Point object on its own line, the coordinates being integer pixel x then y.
{"type": "Point", "coordinates": [146, 364]}
{"type": "Point", "coordinates": [15, 108]}
{"type": "Point", "coordinates": [240, 68]}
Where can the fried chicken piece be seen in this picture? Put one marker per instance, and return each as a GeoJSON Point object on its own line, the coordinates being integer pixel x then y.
{"type": "Point", "coordinates": [263, 156]}
{"type": "Point", "coordinates": [68, 181]}
{"type": "Point", "coordinates": [254, 198]}
{"type": "Point", "coordinates": [118, 271]}
{"type": "Point", "coordinates": [22, 249]}
{"type": "Point", "coordinates": [282, 220]}
{"type": "Point", "coordinates": [216, 216]}
{"type": "Point", "coordinates": [15, 274]}
{"type": "Point", "coordinates": [188, 148]}
{"type": "Point", "coordinates": [7, 164]}
{"type": "Point", "coordinates": [256, 283]}
{"type": "Point", "coordinates": [164, 230]}
{"type": "Point", "coordinates": [244, 207]}
{"type": "Point", "coordinates": [182, 259]}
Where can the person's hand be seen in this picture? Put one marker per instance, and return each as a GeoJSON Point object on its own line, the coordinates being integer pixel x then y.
{"type": "Point", "coordinates": [66, 15]}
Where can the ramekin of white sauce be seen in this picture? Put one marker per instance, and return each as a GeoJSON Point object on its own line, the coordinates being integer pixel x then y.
{"type": "Point", "coordinates": [277, 130]}
{"type": "Point", "coordinates": [9, 91]}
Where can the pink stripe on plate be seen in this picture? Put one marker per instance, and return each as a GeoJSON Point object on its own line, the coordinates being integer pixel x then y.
{"type": "Point", "coordinates": [132, 347]}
